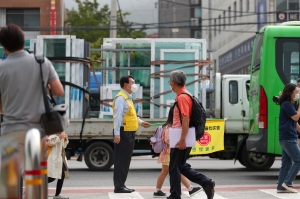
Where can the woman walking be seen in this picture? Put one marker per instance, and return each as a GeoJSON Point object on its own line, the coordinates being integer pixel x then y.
{"type": "Point", "coordinates": [164, 159]}
{"type": "Point", "coordinates": [288, 127]}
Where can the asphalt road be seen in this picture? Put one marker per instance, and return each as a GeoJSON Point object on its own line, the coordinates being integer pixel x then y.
{"type": "Point", "coordinates": [145, 169]}
{"type": "Point", "coordinates": [233, 181]}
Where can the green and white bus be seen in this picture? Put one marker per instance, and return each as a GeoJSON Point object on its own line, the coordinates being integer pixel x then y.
{"type": "Point", "coordinates": [275, 62]}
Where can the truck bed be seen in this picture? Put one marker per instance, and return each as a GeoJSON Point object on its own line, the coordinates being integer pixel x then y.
{"type": "Point", "coordinates": [96, 128]}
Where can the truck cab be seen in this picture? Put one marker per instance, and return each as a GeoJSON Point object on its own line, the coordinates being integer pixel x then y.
{"type": "Point", "coordinates": [235, 109]}
{"type": "Point", "coordinates": [229, 100]}
{"type": "Point", "coordinates": [235, 103]}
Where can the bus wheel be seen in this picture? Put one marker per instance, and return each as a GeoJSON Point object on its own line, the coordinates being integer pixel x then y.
{"type": "Point", "coordinates": [99, 156]}
{"type": "Point", "coordinates": [256, 161]}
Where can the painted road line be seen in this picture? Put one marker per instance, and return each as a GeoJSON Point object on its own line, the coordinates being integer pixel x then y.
{"type": "Point", "coordinates": [133, 195]}
{"type": "Point", "coordinates": [202, 195]}
{"type": "Point", "coordinates": [273, 192]}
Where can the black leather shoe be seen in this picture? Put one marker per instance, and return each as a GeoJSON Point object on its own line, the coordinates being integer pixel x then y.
{"type": "Point", "coordinates": [210, 189]}
{"type": "Point", "coordinates": [132, 190]}
{"type": "Point", "coordinates": [123, 190]}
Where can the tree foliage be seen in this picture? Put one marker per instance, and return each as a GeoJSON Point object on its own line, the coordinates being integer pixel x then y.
{"type": "Point", "coordinates": [94, 23]}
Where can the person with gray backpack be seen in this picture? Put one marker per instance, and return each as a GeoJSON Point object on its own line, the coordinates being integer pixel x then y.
{"type": "Point", "coordinates": [160, 144]}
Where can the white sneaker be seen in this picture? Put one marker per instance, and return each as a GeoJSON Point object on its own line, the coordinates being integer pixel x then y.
{"type": "Point", "coordinates": [60, 197]}
{"type": "Point", "coordinates": [289, 188]}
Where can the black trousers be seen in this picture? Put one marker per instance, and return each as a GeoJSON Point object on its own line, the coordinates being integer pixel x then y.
{"type": "Point", "coordinates": [179, 166]}
{"type": "Point", "coordinates": [122, 157]}
{"type": "Point", "coordinates": [60, 181]}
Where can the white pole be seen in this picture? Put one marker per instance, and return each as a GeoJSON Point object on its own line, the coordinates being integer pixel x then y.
{"type": "Point", "coordinates": [113, 19]}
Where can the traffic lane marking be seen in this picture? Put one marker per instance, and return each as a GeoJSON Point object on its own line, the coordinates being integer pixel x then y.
{"type": "Point", "coordinates": [133, 195]}
{"type": "Point", "coordinates": [281, 195]}
{"type": "Point", "coordinates": [202, 195]}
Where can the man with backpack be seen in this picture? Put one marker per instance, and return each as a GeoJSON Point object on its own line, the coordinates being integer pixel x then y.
{"type": "Point", "coordinates": [182, 119]}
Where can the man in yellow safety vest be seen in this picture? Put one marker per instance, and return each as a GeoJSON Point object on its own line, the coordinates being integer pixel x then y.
{"type": "Point", "coordinates": [126, 123]}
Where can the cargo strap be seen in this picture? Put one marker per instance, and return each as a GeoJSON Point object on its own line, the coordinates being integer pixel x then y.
{"type": "Point", "coordinates": [158, 74]}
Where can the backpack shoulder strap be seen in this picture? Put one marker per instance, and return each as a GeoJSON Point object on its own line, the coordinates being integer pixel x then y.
{"type": "Point", "coordinates": [187, 94]}
{"type": "Point", "coordinates": [176, 104]}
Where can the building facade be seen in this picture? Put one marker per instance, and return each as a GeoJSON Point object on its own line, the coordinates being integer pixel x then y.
{"type": "Point", "coordinates": [33, 16]}
{"type": "Point", "coordinates": [179, 18]}
{"type": "Point", "coordinates": [233, 26]}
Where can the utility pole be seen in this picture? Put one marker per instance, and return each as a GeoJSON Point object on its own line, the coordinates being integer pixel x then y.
{"type": "Point", "coordinates": [209, 25]}
{"type": "Point", "coordinates": [174, 29]}
{"type": "Point", "coordinates": [113, 19]}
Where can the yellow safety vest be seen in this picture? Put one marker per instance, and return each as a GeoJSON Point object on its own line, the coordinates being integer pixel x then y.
{"type": "Point", "coordinates": [130, 122]}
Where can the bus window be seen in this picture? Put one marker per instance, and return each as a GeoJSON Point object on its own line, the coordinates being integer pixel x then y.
{"type": "Point", "coordinates": [287, 60]}
{"type": "Point", "coordinates": [257, 52]}
{"type": "Point", "coordinates": [233, 92]}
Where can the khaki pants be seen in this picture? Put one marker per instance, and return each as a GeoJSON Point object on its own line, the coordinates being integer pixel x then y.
{"type": "Point", "coordinates": [298, 142]}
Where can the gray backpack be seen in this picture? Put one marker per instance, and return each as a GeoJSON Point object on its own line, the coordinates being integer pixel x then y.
{"type": "Point", "coordinates": [157, 143]}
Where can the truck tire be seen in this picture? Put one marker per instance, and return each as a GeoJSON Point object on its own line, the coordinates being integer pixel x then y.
{"type": "Point", "coordinates": [256, 161]}
{"type": "Point", "coordinates": [99, 156]}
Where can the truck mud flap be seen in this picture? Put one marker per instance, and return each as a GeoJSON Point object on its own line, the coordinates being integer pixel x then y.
{"type": "Point", "coordinates": [258, 142]}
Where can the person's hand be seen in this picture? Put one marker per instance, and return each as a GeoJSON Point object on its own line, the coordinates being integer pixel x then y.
{"type": "Point", "coordinates": [181, 145]}
{"type": "Point", "coordinates": [117, 139]}
{"type": "Point", "coordinates": [66, 137]}
{"type": "Point", "coordinates": [145, 124]}
{"type": "Point", "coordinates": [61, 136]}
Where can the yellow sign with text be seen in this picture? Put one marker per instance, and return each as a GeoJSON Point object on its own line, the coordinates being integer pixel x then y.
{"type": "Point", "coordinates": [212, 140]}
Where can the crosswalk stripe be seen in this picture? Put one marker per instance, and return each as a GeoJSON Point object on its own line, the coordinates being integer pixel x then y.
{"type": "Point", "coordinates": [133, 195]}
{"type": "Point", "coordinates": [273, 192]}
{"type": "Point", "coordinates": [203, 195]}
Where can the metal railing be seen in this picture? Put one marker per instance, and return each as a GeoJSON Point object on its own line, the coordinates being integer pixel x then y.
{"type": "Point", "coordinates": [32, 173]}
{"type": "Point", "coordinates": [44, 170]}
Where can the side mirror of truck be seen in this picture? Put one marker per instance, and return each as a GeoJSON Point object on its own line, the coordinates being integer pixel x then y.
{"type": "Point", "coordinates": [276, 99]}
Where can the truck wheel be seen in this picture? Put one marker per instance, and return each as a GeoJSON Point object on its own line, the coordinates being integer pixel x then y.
{"type": "Point", "coordinates": [99, 156]}
{"type": "Point", "coordinates": [256, 161]}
